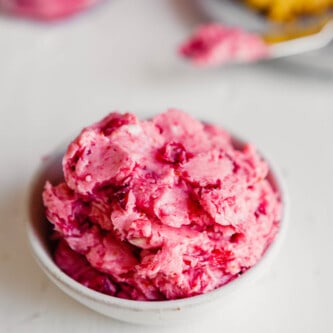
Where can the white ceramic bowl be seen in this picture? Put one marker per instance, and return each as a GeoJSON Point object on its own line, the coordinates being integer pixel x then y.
{"type": "Point", "coordinates": [154, 312]}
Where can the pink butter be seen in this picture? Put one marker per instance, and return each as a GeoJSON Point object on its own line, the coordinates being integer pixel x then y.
{"type": "Point", "coordinates": [45, 9]}
{"type": "Point", "coordinates": [215, 44]}
{"type": "Point", "coordinates": [160, 209]}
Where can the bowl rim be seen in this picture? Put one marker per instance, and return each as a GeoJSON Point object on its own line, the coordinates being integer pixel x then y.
{"type": "Point", "coordinates": [47, 264]}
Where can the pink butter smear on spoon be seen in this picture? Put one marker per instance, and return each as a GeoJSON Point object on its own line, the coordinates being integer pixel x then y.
{"type": "Point", "coordinates": [216, 44]}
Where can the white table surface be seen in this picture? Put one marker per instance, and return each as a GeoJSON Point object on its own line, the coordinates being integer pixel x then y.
{"type": "Point", "coordinates": [54, 79]}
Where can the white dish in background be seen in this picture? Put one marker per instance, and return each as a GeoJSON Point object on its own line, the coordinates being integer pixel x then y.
{"type": "Point", "coordinates": [233, 13]}
{"type": "Point", "coordinates": [142, 312]}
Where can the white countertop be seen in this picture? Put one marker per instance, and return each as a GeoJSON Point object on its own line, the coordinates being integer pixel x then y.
{"type": "Point", "coordinates": [54, 79]}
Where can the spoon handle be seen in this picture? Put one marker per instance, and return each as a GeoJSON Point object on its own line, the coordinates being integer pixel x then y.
{"type": "Point", "coordinates": [303, 44]}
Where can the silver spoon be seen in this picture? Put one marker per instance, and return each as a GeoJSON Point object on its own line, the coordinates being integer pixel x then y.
{"type": "Point", "coordinates": [305, 36]}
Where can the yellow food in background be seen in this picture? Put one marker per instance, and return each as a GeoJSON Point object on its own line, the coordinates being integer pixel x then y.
{"type": "Point", "coordinates": [287, 10]}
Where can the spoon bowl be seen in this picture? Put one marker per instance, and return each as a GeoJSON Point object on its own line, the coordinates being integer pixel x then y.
{"type": "Point", "coordinates": [283, 39]}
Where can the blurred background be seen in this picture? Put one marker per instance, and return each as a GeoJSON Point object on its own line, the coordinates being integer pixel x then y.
{"type": "Point", "coordinates": [58, 76]}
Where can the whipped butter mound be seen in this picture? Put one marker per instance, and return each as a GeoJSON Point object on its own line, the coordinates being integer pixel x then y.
{"type": "Point", "coordinates": [160, 209]}
{"type": "Point", "coordinates": [46, 10]}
